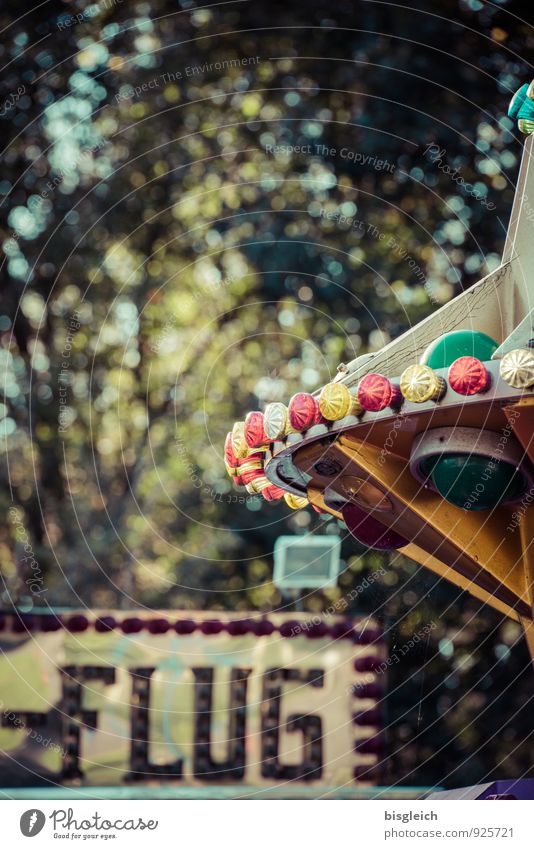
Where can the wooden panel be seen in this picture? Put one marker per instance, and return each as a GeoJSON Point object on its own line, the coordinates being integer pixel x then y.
{"type": "Point", "coordinates": [394, 435]}
{"type": "Point", "coordinates": [521, 417]}
{"type": "Point", "coordinates": [526, 533]}
{"type": "Point", "coordinates": [316, 497]}
{"type": "Point", "coordinates": [478, 549]}
{"type": "Point", "coordinates": [429, 561]}
{"type": "Point", "coordinates": [528, 629]}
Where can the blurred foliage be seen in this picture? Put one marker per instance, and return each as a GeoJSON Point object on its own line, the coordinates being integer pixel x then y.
{"type": "Point", "coordinates": [165, 269]}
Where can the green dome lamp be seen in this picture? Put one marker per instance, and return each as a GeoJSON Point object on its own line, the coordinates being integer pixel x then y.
{"type": "Point", "coordinates": [470, 468]}
{"type": "Point", "coordinates": [459, 343]}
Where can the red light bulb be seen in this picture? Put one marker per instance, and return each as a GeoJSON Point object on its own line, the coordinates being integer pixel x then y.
{"type": "Point", "coordinates": [249, 475]}
{"type": "Point", "coordinates": [376, 392]}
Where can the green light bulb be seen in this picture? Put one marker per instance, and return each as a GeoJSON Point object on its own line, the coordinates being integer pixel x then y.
{"type": "Point", "coordinates": [475, 482]}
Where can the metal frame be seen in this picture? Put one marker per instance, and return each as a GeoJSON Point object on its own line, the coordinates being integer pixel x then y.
{"type": "Point", "coordinates": [321, 544]}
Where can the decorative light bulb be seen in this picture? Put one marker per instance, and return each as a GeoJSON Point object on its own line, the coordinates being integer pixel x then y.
{"type": "Point", "coordinates": [469, 376]}
{"type": "Point", "coordinates": [376, 392]}
{"type": "Point", "coordinates": [239, 443]}
{"type": "Point", "coordinates": [296, 502]}
{"type": "Point", "coordinates": [336, 401]}
{"type": "Point", "coordinates": [420, 383]}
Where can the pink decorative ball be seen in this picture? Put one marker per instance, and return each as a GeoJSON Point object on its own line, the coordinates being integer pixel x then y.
{"type": "Point", "coordinates": [254, 433]}
{"type": "Point", "coordinates": [77, 623]}
{"type": "Point", "coordinates": [303, 411]}
{"type": "Point", "coordinates": [273, 493]}
{"type": "Point", "coordinates": [369, 531]}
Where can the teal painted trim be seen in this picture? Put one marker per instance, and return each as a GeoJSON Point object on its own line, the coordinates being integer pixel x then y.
{"type": "Point", "coordinates": [230, 791]}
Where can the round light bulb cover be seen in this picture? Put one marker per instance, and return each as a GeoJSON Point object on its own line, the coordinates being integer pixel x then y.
{"type": "Point", "coordinates": [376, 392]}
{"type": "Point", "coordinates": [275, 421]}
{"type": "Point", "coordinates": [303, 411]}
{"type": "Point", "coordinates": [296, 502]}
{"type": "Point", "coordinates": [255, 435]}
{"type": "Point", "coordinates": [336, 401]}
{"type": "Point", "coordinates": [420, 383]}
{"type": "Point", "coordinates": [365, 493]}
{"type": "Point", "coordinates": [369, 531]}
{"type": "Point", "coordinates": [229, 454]}
{"type": "Point", "coordinates": [251, 468]}
{"type": "Point", "coordinates": [259, 483]}
{"type": "Point", "coordinates": [239, 443]}
{"type": "Point", "coordinates": [458, 343]}
{"type": "Point", "coordinates": [518, 107]}
{"type": "Point", "coordinates": [517, 368]}
{"type": "Point", "coordinates": [469, 376]}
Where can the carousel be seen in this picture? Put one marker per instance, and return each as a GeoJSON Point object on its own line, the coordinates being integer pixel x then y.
{"type": "Point", "coordinates": [426, 446]}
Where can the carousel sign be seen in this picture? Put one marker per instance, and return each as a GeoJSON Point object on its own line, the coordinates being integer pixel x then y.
{"type": "Point", "coordinates": [108, 699]}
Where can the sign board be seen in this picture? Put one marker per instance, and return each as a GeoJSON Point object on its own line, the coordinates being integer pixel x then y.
{"type": "Point", "coordinates": [115, 698]}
